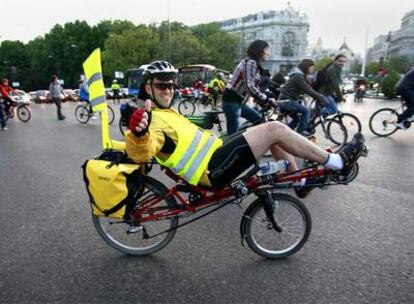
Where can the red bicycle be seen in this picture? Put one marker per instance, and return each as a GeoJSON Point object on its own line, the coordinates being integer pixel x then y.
{"type": "Point", "coordinates": [275, 225]}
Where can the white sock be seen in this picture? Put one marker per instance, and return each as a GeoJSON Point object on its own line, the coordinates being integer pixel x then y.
{"type": "Point", "coordinates": [334, 162]}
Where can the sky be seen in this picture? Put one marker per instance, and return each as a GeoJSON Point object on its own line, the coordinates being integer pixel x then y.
{"type": "Point", "coordinates": [332, 20]}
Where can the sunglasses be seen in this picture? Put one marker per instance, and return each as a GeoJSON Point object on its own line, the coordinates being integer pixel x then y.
{"type": "Point", "coordinates": [162, 86]}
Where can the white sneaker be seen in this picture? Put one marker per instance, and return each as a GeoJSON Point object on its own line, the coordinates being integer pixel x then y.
{"type": "Point", "coordinates": [5, 128]}
{"type": "Point", "coordinates": [401, 126]}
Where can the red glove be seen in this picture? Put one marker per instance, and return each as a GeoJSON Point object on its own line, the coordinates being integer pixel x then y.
{"type": "Point", "coordinates": [139, 122]}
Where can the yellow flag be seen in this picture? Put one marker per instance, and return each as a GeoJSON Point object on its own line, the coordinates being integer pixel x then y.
{"type": "Point", "coordinates": [93, 73]}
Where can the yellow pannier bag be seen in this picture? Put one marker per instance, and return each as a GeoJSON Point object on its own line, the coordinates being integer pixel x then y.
{"type": "Point", "coordinates": [110, 186]}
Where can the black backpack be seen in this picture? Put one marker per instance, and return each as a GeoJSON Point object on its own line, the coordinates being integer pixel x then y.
{"type": "Point", "coordinates": [321, 77]}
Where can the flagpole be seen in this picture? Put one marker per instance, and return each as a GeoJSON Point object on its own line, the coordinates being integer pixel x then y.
{"type": "Point", "coordinates": [364, 61]}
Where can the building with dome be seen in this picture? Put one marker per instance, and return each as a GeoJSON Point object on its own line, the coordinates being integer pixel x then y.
{"type": "Point", "coordinates": [286, 31]}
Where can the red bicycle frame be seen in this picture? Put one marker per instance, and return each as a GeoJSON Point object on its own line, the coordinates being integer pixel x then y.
{"type": "Point", "coordinates": [147, 211]}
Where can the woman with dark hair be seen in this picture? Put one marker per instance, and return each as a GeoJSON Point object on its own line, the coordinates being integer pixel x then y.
{"type": "Point", "coordinates": [296, 86]}
{"type": "Point", "coordinates": [245, 84]}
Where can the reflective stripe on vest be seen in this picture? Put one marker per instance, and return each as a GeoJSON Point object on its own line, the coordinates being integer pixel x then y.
{"type": "Point", "coordinates": [194, 147]}
{"type": "Point", "coordinates": [200, 157]}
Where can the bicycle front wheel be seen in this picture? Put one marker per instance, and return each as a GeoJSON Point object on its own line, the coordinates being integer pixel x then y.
{"type": "Point", "coordinates": [82, 114]}
{"type": "Point", "coordinates": [330, 133]}
{"type": "Point", "coordinates": [351, 123]}
{"type": "Point", "coordinates": [128, 238]}
{"type": "Point", "coordinates": [186, 107]}
{"type": "Point", "coordinates": [290, 214]}
{"type": "Point", "coordinates": [23, 113]}
{"type": "Point", "coordinates": [383, 122]}
{"type": "Point", "coordinates": [205, 106]}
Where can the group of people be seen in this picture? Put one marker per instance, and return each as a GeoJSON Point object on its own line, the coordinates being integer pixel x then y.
{"type": "Point", "coordinates": [202, 158]}
{"type": "Point", "coordinates": [251, 79]}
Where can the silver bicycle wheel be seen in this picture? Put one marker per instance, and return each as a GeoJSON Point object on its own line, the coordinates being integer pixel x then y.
{"type": "Point", "coordinates": [82, 114]}
{"type": "Point", "coordinates": [383, 122]}
{"type": "Point", "coordinates": [186, 107]}
{"type": "Point", "coordinates": [129, 238]}
{"type": "Point", "coordinates": [290, 214]}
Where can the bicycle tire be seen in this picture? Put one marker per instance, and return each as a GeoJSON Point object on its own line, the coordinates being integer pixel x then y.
{"type": "Point", "coordinates": [186, 107]}
{"type": "Point", "coordinates": [351, 123]}
{"type": "Point", "coordinates": [205, 106]}
{"type": "Point", "coordinates": [333, 135]}
{"type": "Point", "coordinates": [119, 239]}
{"type": "Point", "coordinates": [121, 126]}
{"type": "Point", "coordinates": [255, 218]}
{"type": "Point", "coordinates": [387, 122]}
{"type": "Point", "coordinates": [82, 114]}
{"type": "Point", "coordinates": [23, 113]}
{"type": "Point", "coordinates": [111, 115]}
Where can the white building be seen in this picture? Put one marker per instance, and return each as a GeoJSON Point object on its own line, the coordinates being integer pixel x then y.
{"type": "Point", "coordinates": [286, 32]}
{"type": "Point", "coordinates": [396, 43]}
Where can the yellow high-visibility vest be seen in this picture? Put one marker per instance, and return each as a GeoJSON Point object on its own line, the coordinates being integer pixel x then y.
{"type": "Point", "coordinates": [115, 86]}
{"type": "Point", "coordinates": [193, 150]}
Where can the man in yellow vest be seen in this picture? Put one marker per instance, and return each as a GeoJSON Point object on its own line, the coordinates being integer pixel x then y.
{"type": "Point", "coordinates": [116, 89]}
{"type": "Point", "coordinates": [216, 87]}
{"type": "Point", "coordinates": [200, 157]}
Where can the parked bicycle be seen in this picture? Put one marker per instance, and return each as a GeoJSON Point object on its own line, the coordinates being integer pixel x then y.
{"type": "Point", "coordinates": [383, 122]}
{"type": "Point", "coordinates": [275, 225]}
{"type": "Point", "coordinates": [84, 112]}
{"type": "Point", "coordinates": [20, 108]}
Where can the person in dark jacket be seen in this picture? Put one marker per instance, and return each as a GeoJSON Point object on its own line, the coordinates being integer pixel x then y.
{"type": "Point", "coordinates": [405, 88]}
{"type": "Point", "coordinates": [296, 86]}
{"type": "Point", "coordinates": [331, 87]}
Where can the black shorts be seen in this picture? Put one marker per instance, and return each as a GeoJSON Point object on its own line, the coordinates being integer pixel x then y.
{"type": "Point", "coordinates": [229, 161]}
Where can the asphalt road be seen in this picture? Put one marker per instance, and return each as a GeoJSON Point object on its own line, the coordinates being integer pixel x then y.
{"type": "Point", "coordinates": [361, 249]}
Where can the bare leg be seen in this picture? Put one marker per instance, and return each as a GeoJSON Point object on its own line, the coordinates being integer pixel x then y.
{"type": "Point", "coordinates": [263, 137]}
{"type": "Point", "coordinates": [279, 153]}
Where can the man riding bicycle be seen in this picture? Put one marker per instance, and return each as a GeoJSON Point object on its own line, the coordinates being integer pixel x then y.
{"type": "Point", "coordinates": [5, 90]}
{"type": "Point", "coordinates": [296, 86]}
{"type": "Point", "coordinates": [405, 88]}
{"type": "Point", "coordinates": [198, 156]}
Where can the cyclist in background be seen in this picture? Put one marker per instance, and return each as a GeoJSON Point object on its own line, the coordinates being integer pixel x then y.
{"type": "Point", "coordinates": [216, 87]}
{"type": "Point", "coordinates": [405, 88]}
{"type": "Point", "coordinates": [5, 90]}
{"type": "Point", "coordinates": [296, 86]}
{"type": "Point", "coordinates": [244, 84]}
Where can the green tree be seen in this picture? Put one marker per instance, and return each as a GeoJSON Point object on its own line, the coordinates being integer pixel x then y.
{"type": "Point", "coordinates": [129, 49]}
{"type": "Point", "coordinates": [389, 82]}
{"type": "Point", "coordinates": [221, 46]}
{"type": "Point", "coordinates": [400, 64]}
{"type": "Point", "coordinates": [322, 62]}
{"type": "Point", "coordinates": [372, 68]}
{"type": "Point", "coordinates": [14, 60]}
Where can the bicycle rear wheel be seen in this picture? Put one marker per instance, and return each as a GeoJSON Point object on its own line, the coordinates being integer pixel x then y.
{"type": "Point", "coordinates": [186, 107]}
{"type": "Point", "coordinates": [290, 213]}
{"type": "Point", "coordinates": [82, 114]}
{"type": "Point", "coordinates": [383, 122]}
{"type": "Point", "coordinates": [351, 123]}
{"type": "Point", "coordinates": [331, 134]}
{"type": "Point", "coordinates": [128, 238]}
{"type": "Point", "coordinates": [23, 113]}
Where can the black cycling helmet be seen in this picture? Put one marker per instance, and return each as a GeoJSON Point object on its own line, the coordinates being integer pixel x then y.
{"type": "Point", "coordinates": [160, 69]}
